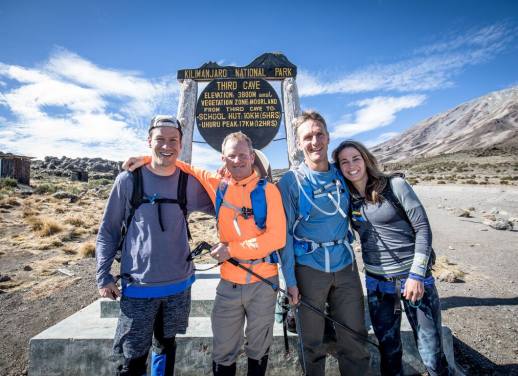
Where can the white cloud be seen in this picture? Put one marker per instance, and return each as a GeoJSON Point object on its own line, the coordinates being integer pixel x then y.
{"type": "Point", "coordinates": [375, 113]}
{"type": "Point", "coordinates": [70, 106]}
{"type": "Point", "coordinates": [494, 37]}
{"type": "Point", "coordinates": [432, 67]}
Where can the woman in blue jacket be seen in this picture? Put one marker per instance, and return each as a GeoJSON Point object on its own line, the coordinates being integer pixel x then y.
{"type": "Point", "coordinates": [397, 253]}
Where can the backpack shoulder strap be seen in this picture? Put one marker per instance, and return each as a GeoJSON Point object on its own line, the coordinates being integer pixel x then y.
{"type": "Point", "coordinates": [182, 191]}
{"type": "Point", "coordinates": [220, 195]}
{"type": "Point", "coordinates": [134, 202]}
{"type": "Point", "coordinates": [304, 205]}
{"type": "Point", "coordinates": [138, 189]}
{"type": "Point", "coordinates": [181, 197]}
{"type": "Point", "coordinates": [389, 195]}
{"type": "Point", "coordinates": [259, 206]}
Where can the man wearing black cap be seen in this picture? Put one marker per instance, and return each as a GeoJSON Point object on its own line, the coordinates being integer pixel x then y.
{"type": "Point", "coordinates": [156, 278]}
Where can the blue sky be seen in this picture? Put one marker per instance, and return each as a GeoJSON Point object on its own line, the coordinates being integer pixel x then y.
{"type": "Point", "coordinates": [84, 78]}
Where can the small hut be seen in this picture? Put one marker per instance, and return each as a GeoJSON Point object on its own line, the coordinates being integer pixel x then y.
{"type": "Point", "coordinates": [16, 167]}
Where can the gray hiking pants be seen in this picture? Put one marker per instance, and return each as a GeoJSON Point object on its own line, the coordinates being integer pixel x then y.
{"type": "Point", "coordinates": [343, 292]}
{"type": "Point", "coordinates": [234, 303]}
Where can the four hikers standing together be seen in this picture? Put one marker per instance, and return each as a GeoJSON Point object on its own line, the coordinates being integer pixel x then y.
{"type": "Point", "coordinates": [308, 217]}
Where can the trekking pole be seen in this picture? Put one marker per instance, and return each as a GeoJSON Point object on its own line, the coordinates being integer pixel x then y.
{"type": "Point", "coordinates": [298, 327]}
{"type": "Point", "coordinates": [302, 302]}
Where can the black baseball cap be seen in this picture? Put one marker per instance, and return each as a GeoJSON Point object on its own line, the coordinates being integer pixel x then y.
{"type": "Point", "coordinates": [165, 121]}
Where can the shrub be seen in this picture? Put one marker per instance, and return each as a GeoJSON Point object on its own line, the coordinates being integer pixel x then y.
{"type": "Point", "coordinates": [441, 182]}
{"type": "Point", "coordinates": [50, 227]}
{"type": "Point", "coordinates": [44, 226]}
{"type": "Point", "coordinates": [98, 183]}
{"type": "Point", "coordinates": [75, 221]}
{"type": "Point", "coordinates": [45, 188]}
{"type": "Point", "coordinates": [504, 181]}
{"type": "Point", "coordinates": [87, 249]}
{"type": "Point", "coordinates": [8, 183]}
{"type": "Point", "coordinates": [471, 181]}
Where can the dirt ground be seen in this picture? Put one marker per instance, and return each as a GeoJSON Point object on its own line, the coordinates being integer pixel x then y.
{"type": "Point", "coordinates": [481, 311]}
{"type": "Point", "coordinates": [48, 277]}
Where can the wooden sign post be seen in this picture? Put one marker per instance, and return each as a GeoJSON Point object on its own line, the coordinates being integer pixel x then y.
{"type": "Point", "coordinates": [240, 99]}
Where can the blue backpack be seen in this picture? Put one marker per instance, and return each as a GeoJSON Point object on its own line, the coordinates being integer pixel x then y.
{"type": "Point", "coordinates": [257, 197]}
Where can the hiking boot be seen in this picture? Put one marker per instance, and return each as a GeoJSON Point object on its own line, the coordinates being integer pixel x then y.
{"type": "Point", "coordinates": [257, 367]}
{"type": "Point", "coordinates": [221, 370]}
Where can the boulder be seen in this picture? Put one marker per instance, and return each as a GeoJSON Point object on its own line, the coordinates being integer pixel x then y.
{"type": "Point", "coordinates": [462, 213]}
{"type": "Point", "coordinates": [448, 276]}
{"type": "Point", "coordinates": [501, 224]}
{"type": "Point", "coordinates": [65, 195]}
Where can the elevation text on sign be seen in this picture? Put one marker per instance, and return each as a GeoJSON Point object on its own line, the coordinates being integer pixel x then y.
{"type": "Point", "coordinates": [230, 105]}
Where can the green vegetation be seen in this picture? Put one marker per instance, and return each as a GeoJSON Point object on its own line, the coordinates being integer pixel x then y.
{"type": "Point", "coordinates": [8, 183]}
{"type": "Point", "coordinates": [46, 188]}
{"type": "Point", "coordinates": [99, 183]}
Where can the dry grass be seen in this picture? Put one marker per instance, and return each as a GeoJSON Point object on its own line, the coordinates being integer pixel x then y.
{"type": "Point", "coordinates": [43, 246]}
{"type": "Point", "coordinates": [44, 226]}
{"type": "Point", "coordinates": [56, 243]}
{"type": "Point", "coordinates": [9, 202]}
{"type": "Point", "coordinates": [50, 227]}
{"type": "Point", "coordinates": [69, 250]}
{"type": "Point", "coordinates": [29, 212]}
{"type": "Point", "coordinates": [87, 249]}
{"type": "Point", "coordinates": [446, 270]}
{"type": "Point", "coordinates": [70, 235]}
{"type": "Point", "coordinates": [75, 221]}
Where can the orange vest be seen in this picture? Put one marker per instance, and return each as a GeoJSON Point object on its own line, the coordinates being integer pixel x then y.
{"type": "Point", "coordinates": [253, 243]}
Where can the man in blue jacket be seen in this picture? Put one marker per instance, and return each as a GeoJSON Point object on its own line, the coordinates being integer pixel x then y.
{"type": "Point", "coordinates": [318, 261]}
{"type": "Point", "coordinates": [156, 278]}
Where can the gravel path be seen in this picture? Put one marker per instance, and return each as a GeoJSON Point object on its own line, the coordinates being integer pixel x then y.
{"type": "Point", "coordinates": [482, 312]}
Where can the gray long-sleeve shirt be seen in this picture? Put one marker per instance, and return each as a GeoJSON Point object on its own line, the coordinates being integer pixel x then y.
{"type": "Point", "coordinates": [149, 256]}
{"type": "Point", "coordinates": [391, 245]}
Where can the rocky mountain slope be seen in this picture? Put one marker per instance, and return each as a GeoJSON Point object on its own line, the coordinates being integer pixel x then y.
{"type": "Point", "coordinates": [486, 122]}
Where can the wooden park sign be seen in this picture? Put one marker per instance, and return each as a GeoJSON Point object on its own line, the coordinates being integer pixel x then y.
{"type": "Point", "coordinates": [230, 105]}
{"type": "Point", "coordinates": [239, 99]}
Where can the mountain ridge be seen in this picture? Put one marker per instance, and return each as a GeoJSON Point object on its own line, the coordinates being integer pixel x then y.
{"type": "Point", "coordinates": [484, 122]}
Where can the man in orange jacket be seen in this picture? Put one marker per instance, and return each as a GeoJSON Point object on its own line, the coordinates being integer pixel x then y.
{"type": "Point", "coordinates": [239, 294]}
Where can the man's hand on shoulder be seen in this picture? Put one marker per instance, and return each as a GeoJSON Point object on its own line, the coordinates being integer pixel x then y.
{"type": "Point", "coordinates": [110, 291]}
{"type": "Point", "coordinates": [133, 163]}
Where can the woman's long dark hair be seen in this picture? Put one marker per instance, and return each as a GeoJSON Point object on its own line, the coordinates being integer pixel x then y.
{"type": "Point", "coordinates": [376, 180]}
